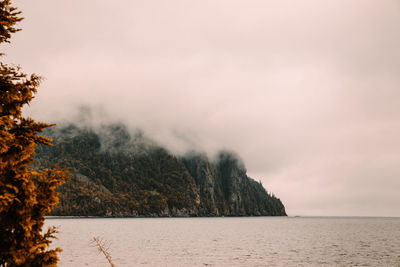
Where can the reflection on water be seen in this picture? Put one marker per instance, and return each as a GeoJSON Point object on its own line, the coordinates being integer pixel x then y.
{"type": "Point", "coordinates": [254, 241]}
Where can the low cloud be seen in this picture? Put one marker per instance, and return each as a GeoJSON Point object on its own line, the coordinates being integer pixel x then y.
{"type": "Point", "coordinates": [307, 93]}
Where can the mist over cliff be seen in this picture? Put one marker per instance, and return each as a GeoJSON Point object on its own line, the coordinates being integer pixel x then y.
{"type": "Point", "coordinates": [115, 172]}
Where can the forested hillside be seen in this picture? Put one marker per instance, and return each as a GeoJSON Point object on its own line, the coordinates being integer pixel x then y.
{"type": "Point", "coordinates": [114, 173]}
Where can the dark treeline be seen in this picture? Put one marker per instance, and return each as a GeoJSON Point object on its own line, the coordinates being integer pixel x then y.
{"type": "Point", "coordinates": [114, 173]}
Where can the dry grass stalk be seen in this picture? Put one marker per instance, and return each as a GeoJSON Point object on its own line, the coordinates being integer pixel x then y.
{"type": "Point", "coordinates": [102, 248]}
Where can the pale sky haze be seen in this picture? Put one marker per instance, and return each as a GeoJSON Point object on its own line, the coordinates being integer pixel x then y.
{"type": "Point", "coordinates": [306, 92]}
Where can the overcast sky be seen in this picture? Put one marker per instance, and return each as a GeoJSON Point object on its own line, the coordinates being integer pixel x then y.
{"type": "Point", "coordinates": [306, 92]}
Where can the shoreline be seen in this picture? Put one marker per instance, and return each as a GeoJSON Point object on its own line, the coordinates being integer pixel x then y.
{"type": "Point", "coordinates": [159, 217]}
{"type": "Point", "coordinates": [120, 217]}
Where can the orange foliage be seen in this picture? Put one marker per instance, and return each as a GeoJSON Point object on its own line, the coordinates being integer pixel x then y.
{"type": "Point", "coordinates": [25, 195]}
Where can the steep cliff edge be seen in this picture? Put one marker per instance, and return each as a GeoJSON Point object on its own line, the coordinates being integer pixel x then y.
{"type": "Point", "coordinates": [118, 174]}
{"type": "Point", "coordinates": [225, 189]}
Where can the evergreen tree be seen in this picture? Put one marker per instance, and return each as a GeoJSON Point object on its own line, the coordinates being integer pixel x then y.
{"type": "Point", "coordinates": [25, 195]}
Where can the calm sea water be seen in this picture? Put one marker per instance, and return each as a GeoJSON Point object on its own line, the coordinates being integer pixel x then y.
{"type": "Point", "coordinates": [254, 241]}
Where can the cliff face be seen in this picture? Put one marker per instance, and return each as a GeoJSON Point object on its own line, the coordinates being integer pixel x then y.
{"type": "Point", "coordinates": [116, 174]}
{"type": "Point", "coordinates": [225, 189]}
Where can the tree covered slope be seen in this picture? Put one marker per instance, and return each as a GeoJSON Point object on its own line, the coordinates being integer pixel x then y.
{"type": "Point", "coordinates": [114, 173]}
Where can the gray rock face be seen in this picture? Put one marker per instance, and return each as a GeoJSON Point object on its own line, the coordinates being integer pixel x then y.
{"type": "Point", "coordinates": [226, 190]}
